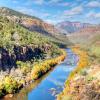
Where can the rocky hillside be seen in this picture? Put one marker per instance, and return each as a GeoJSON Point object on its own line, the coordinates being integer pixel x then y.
{"type": "Point", "coordinates": [30, 22]}
{"type": "Point", "coordinates": [70, 27]}
{"type": "Point", "coordinates": [19, 44]}
{"type": "Point", "coordinates": [34, 24]}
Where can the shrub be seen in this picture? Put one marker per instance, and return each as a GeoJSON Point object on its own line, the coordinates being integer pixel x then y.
{"type": "Point", "coordinates": [40, 69]}
{"type": "Point", "coordinates": [10, 85]}
{"type": "Point", "coordinates": [1, 89]}
{"type": "Point", "coordinates": [89, 78]}
{"type": "Point", "coordinates": [83, 72]}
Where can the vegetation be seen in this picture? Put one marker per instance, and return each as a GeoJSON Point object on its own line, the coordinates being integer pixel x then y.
{"type": "Point", "coordinates": [10, 84]}
{"type": "Point", "coordinates": [15, 40]}
{"type": "Point", "coordinates": [12, 34]}
{"type": "Point", "coordinates": [41, 68]}
{"type": "Point", "coordinates": [33, 54]}
{"type": "Point", "coordinates": [86, 73]}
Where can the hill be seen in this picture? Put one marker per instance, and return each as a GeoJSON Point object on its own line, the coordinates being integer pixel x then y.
{"type": "Point", "coordinates": [31, 22]}
{"type": "Point", "coordinates": [20, 44]}
{"type": "Point", "coordinates": [71, 27]}
{"type": "Point", "coordinates": [10, 12]}
{"type": "Point", "coordinates": [85, 35]}
{"type": "Point", "coordinates": [89, 39]}
{"type": "Point", "coordinates": [34, 24]}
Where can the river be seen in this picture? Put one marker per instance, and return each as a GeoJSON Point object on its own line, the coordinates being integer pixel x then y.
{"type": "Point", "coordinates": [51, 84]}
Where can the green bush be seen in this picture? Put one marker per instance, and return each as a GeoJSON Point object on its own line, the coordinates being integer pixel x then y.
{"type": "Point", "coordinates": [83, 72]}
{"type": "Point", "coordinates": [89, 78]}
{"type": "Point", "coordinates": [1, 88]}
{"type": "Point", "coordinates": [10, 85]}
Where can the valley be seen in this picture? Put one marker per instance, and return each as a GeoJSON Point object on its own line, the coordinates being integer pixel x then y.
{"type": "Point", "coordinates": [42, 60]}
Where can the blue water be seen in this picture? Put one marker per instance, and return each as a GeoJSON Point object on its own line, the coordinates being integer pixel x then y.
{"type": "Point", "coordinates": [48, 87]}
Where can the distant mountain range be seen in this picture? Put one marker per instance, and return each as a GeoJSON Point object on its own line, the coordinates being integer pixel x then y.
{"type": "Point", "coordinates": [86, 35]}
{"type": "Point", "coordinates": [71, 27]}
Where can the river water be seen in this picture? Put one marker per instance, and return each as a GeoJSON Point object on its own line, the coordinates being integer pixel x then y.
{"type": "Point", "coordinates": [51, 84]}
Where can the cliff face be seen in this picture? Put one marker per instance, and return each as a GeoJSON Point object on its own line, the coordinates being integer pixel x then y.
{"type": "Point", "coordinates": [21, 53]}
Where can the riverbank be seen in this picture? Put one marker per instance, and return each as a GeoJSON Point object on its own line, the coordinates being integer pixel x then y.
{"type": "Point", "coordinates": [49, 85]}
{"type": "Point", "coordinates": [84, 82]}
{"type": "Point", "coordinates": [12, 82]}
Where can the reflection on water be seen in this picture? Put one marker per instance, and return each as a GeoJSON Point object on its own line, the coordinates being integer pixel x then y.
{"type": "Point", "coordinates": [50, 84]}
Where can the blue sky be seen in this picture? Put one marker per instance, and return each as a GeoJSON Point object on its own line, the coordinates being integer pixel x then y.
{"type": "Point", "coordinates": [54, 11]}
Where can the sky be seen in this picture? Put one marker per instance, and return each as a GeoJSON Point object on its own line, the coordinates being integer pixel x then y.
{"type": "Point", "coordinates": [55, 11]}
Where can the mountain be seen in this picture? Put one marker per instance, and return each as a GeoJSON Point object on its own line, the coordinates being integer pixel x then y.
{"type": "Point", "coordinates": [25, 38]}
{"type": "Point", "coordinates": [35, 24]}
{"type": "Point", "coordinates": [85, 35]}
{"type": "Point", "coordinates": [31, 22]}
{"type": "Point", "coordinates": [10, 12]}
{"type": "Point", "coordinates": [19, 44]}
{"type": "Point", "coordinates": [71, 27]}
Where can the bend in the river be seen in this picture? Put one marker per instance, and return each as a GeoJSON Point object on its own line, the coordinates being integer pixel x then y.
{"type": "Point", "coordinates": [51, 84]}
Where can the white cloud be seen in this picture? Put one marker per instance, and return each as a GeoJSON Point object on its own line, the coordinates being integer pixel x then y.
{"type": "Point", "coordinates": [58, 3]}
{"type": "Point", "coordinates": [49, 21]}
{"type": "Point", "coordinates": [93, 4]}
{"type": "Point", "coordinates": [39, 2]}
{"type": "Point", "coordinates": [51, 2]}
{"type": "Point", "coordinates": [97, 15]}
{"type": "Point", "coordinates": [63, 4]}
{"type": "Point", "coordinates": [33, 12]}
{"type": "Point", "coordinates": [54, 1]}
{"type": "Point", "coordinates": [15, 1]}
{"type": "Point", "coordinates": [46, 15]}
{"type": "Point", "coordinates": [93, 15]}
{"type": "Point", "coordinates": [26, 10]}
{"type": "Point", "coordinates": [74, 11]}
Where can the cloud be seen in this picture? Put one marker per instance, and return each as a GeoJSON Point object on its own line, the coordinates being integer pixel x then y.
{"type": "Point", "coordinates": [58, 3]}
{"type": "Point", "coordinates": [39, 2]}
{"type": "Point", "coordinates": [50, 21]}
{"type": "Point", "coordinates": [93, 4]}
{"type": "Point", "coordinates": [15, 1]}
{"type": "Point", "coordinates": [67, 14]}
{"type": "Point", "coordinates": [93, 15]}
{"type": "Point", "coordinates": [33, 12]}
{"type": "Point", "coordinates": [51, 2]}
{"type": "Point", "coordinates": [74, 11]}
{"type": "Point", "coordinates": [97, 15]}
{"type": "Point", "coordinates": [63, 4]}
{"type": "Point", "coordinates": [54, 1]}
{"type": "Point", "coordinates": [46, 15]}
{"type": "Point", "coordinates": [26, 10]}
